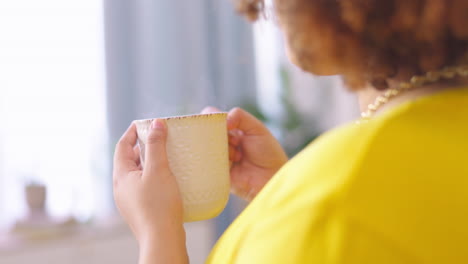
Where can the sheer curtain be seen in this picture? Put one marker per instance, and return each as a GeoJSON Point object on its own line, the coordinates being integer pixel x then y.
{"type": "Point", "coordinates": [52, 105]}
{"type": "Point", "coordinates": [175, 57]}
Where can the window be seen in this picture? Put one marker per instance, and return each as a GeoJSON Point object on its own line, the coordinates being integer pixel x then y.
{"type": "Point", "coordinates": [52, 105]}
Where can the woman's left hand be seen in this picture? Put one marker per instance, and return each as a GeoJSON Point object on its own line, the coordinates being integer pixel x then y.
{"type": "Point", "coordinates": [148, 198]}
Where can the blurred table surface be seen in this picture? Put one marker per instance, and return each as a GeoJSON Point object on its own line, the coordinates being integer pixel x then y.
{"type": "Point", "coordinates": [108, 241]}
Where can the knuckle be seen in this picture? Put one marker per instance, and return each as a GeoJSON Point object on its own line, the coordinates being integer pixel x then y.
{"type": "Point", "coordinates": [236, 110]}
{"type": "Point", "coordinates": [234, 115]}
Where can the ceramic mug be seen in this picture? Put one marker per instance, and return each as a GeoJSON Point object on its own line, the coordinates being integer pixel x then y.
{"type": "Point", "coordinates": [198, 154]}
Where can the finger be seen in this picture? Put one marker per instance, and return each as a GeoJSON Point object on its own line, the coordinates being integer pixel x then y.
{"type": "Point", "coordinates": [237, 156]}
{"type": "Point", "coordinates": [124, 157]}
{"type": "Point", "coordinates": [233, 145]}
{"type": "Point", "coordinates": [244, 121]}
{"type": "Point", "coordinates": [232, 153]}
{"type": "Point", "coordinates": [210, 109]}
{"type": "Point", "coordinates": [136, 151]}
{"type": "Point", "coordinates": [234, 138]}
{"type": "Point", "coordinates": [155, 149]}
{"type": "Point", "coordinates": [239, 182]}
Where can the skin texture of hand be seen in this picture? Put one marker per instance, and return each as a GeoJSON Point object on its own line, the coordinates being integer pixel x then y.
{"type": "Point", "coordinates": [148, 198]}
{"type": "Point", "coordinates": [254, 152]}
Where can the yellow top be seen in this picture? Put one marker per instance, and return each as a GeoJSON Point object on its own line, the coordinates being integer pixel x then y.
{"type": "Point", "coordinates": [393, 190]}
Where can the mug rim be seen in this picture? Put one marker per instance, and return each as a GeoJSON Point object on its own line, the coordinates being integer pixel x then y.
{"type": "Point", "coordinates": [183, 116]}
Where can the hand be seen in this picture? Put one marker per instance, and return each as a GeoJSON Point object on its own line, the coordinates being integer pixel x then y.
{"type": "Point", "coordinates": [254, 152]}
{"type": "Point", "coordinates": [148, 198]}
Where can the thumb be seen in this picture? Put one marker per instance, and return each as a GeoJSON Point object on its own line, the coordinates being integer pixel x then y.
{"type": "Point", "coordinates": [242, 120]}
{"type": "Point", "coordinates": [155, 149]}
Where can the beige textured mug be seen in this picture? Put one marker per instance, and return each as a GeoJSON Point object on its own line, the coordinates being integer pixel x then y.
{"type": "Point", "coordinates": [197, 150]}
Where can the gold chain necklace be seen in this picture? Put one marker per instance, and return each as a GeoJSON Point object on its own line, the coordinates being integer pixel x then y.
{"type": "Point", "coordinates": [415, 81]}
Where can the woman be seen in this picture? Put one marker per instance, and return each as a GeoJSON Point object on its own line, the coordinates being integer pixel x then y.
{"type": "Point", "coordinates": [391, 188]}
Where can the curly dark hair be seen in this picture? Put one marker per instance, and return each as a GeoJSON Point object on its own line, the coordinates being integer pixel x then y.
{"type": "Point", "coordinates": [372, 41]}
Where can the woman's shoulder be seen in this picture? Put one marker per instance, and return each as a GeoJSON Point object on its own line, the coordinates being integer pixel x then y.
{"type": "Point", "coordinates": [423, 138]}
{"type": "Point", "coordinates": [387, 177]}
{"type": "Point", "coordinates": [422, 127]}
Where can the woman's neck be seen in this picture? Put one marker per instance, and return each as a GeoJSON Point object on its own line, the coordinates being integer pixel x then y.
{"type": "Point", "coordinates": [368, 95]}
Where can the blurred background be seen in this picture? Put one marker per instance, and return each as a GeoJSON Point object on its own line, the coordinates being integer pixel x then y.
{"type": "Point", "coordinates": [74, 74]}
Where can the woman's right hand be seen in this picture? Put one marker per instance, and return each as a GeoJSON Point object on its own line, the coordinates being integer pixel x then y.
{"type": "Point", "coordinates": [254, 152]}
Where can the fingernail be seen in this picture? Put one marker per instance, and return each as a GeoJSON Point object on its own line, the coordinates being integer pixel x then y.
{"type": "Point", "coordinates": [157, 124]}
